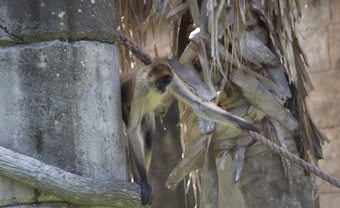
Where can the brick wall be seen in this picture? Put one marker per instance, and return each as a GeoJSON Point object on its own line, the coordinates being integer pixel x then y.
{"type": "Point", "coordinates": [319, 31]}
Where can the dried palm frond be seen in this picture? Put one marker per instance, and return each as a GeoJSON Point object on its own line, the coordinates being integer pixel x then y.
{"type": "Point", "coordinates": [243, 50]}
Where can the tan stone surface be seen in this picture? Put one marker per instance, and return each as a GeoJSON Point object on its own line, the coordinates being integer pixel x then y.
{"type": "Point", "coordinates": [317, 54]}
{"type": "Point", "coordinates": [329, 194]}
{"type": "Point", "coordinates": [324, 102]}
{"type": "Point", "coordinates": [330, 200]}
{"type": "Point", "coordinates": [315, 15]}
{"type": "Point", "coordinates": [335, 11]}
{"type": "Point", "coordinates": [334, 44]}
{"type": "Point", "coordinates": [320, 30]}
{"type": "Point", "coordinates": [325, 109]}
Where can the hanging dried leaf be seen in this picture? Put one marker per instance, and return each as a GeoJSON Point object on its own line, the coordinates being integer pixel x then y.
{"type": "Point", "coordinates": [278, 134]}
{"type": "Point", "coordinates": [189, 53]}
{"type": "Point", "coordinates": [178, 11]}
{"type": "Point", "coordinates": [188, 73]}
{"type": "Point", "coordinates": [260, 33]}
{"type": "Point", "coordinates": [193, 154]}
{"type": "Point", "coordinates": [205, 65]}
{"type": "Point", "coordinates": [255, 51]}
{"type": "Point", "coordinates": [160, 6]}
{"type": "Point", "coordinates": [203, 20]}
{"type": "Point", "coordinates": [277, 75]}
{"type": "Point", "coordinates": [235, 62]}
{"type": "Point", "coordinates": [209, 182]}
{"type": "Point", "coordinates": [258, 95]}
{"type": "Point", "coordinates": [236, 168]}
{"type": "Point", "coordinates": [194, 10]}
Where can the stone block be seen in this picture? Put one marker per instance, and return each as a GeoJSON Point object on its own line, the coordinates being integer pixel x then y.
{"type": "Point", "coordinates": [315, 46]}
{"type": "Point", "coordinates": [33, 21]}
{"type": "Point", "coordinates": [335, 8]}
{"type": "Point", "coordinates": [330, 162]}
{"type": "Point", "coordinates": [60, 103]}
{"type": "Point", "coordinates": [329, 200]}
{"type": "Point", "coordinates": [315, 16]}
{"type": "Point", "coordinates": [324, 100]}
{"type": "Point", "coordinates": [334, 45]}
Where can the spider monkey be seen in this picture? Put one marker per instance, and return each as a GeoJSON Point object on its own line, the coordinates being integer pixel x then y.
{"type": "Point", "coordinates": [142, 91]}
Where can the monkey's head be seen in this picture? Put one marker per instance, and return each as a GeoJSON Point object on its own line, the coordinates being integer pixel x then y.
{"type": "Point", "coordinates": [159, 77]}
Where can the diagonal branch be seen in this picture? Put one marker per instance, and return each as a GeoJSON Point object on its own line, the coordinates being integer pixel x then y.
{"type": "Point", "coordinates": [134, 48]}
{"type": "Point", "coordinates": [68, 186]}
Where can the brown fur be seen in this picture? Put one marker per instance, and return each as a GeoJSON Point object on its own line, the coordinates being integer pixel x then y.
{"type": "Point", "coordinates": [159, 71]}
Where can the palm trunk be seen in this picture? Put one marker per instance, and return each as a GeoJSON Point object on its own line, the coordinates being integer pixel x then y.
{"type": "Point", "coordinates": [269, 180]}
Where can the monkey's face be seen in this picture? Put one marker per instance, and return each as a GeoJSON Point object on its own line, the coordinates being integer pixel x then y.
{"type": "Point", "coordinates": [160, 84]}
{"type": "Point", "coordinates": [159, 77]}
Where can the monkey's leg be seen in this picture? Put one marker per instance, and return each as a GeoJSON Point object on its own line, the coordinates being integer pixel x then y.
{"type": "Point", "coordinates": [138, 165]}
{"type": "Point", "coordinates": [148, 127]}
{"type": "Point", "coordinates": [141, 179]}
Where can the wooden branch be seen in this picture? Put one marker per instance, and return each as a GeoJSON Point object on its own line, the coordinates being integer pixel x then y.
{"type": "Point", "coordinates": [68, 186]}
{"type": "Point", "coordinates": [134, 48]}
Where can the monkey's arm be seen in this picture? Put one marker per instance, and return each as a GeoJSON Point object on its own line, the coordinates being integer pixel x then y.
{"type": "Point", "coordinates": [204, 108]}
{"type": "Point", "coordinates": [134, 134]}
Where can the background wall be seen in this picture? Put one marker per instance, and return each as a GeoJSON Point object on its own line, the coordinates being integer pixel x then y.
{"type": "Point", "coordinates": [320, 39]}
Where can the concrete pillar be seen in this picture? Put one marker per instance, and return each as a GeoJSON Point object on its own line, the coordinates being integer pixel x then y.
{"type": "Point", "coordinates": [59, 94]}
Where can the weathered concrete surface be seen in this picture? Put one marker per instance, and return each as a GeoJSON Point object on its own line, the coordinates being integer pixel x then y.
{"type": "Point", "coordinates": [32, 21]}
{"type": "Point", "coordinates": [324, 100]}
{"type": "Point", "coordinates": [49, 205]}
{"type": "Point", "coordinates": [60, 104]}
{"type": "Point", "coordinates": [5, 38]}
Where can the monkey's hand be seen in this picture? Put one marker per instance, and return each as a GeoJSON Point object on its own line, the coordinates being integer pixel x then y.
{"type": "Point", "coordinates": [147, 195]}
